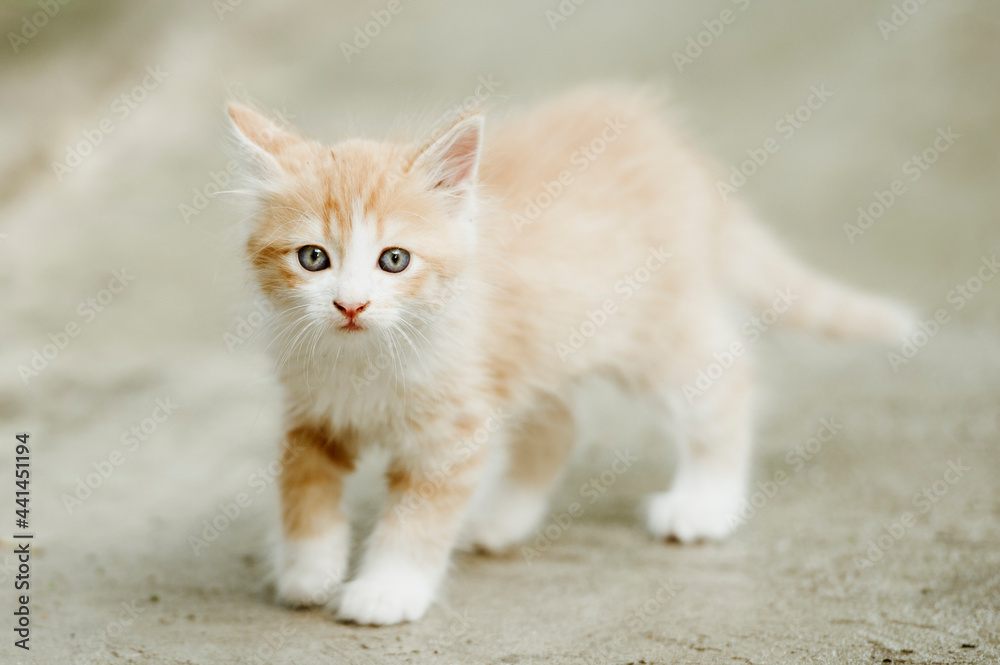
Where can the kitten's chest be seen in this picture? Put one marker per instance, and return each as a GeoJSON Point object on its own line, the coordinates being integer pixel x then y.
{"type": "Point", "coordinates": [371, 396]}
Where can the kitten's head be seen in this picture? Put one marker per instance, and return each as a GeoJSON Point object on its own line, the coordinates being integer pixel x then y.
{"type": "Point", "coordinates": [359, 237]}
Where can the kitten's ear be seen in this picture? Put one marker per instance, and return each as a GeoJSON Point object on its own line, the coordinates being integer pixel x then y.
{"type": "Point", "coordinates": [261, 141]}
{"type": "Point", "coordinates": [452, 161]}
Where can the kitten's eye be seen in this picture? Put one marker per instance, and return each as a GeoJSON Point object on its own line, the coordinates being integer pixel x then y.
{"type": "Point", "coordinates": [313, 258]}
{"type": "Point", "coordinates": [394, 259]}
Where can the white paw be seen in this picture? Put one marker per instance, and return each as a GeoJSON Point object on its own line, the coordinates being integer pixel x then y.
{"type": "Point", "coordinates": [693, 511]}
{"type": "Point", "coordinates": [309, 573]}
{"type": "Point", "coordinates": [508, 520]}
{"type": "Point", "coordinates": [388, 597]}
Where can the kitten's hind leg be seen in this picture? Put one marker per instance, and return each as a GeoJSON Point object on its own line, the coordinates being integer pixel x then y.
{"type": "Point", "coordinates": [515, 504]}
{"type": "Point", "coordinates": [713, 429]}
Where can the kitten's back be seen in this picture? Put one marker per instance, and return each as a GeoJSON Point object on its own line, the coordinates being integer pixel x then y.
{"type": "Point", "coordinates": [599, 176]}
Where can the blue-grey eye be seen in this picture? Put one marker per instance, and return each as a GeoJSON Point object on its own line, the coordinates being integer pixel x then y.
{"type": "Point", "coordinates": [394, 259]}
{"type": "Point", "coordinates": [313, 258]}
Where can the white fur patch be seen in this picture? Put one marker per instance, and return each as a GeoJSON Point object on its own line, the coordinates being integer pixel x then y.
{"type": "Point", "coordinates": [508, 517]}
{"type": "Point", "coordinates": [310, 572]}
{"type": "Point", "coordinates": [393, 591]}
{"type": "Point", "coordinates": [698, 507]}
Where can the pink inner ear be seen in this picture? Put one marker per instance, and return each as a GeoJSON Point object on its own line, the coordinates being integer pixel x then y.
{"type": "Point", "coordinates": [461, 159]}
{"type": "Point", "coordinates": [456, 161]}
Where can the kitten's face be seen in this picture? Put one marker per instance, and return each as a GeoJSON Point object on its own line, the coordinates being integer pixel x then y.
{"type": "Point", "coordinates": [362, 238]}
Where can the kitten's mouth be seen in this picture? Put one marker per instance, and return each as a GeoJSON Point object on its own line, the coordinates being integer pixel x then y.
{"type": "Point", "coordinates": [352, 325]}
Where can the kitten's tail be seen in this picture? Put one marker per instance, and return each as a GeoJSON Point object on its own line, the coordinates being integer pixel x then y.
{"type": "Point", "coordinates": [766, 276]}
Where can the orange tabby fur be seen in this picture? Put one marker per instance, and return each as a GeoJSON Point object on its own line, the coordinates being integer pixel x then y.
{"type": "Point", "coordinates": [627, 271]}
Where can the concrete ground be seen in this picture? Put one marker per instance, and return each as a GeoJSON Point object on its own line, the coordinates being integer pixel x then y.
{"type": "Point", "coordinates": [880, 544]}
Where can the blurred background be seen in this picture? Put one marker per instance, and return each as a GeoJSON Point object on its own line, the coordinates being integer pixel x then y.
{"type": "Point", "coordinates": [127, 346]}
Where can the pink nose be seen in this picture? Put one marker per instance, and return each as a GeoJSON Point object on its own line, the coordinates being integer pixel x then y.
{"type": "Point", "coordinates": [350, 310]}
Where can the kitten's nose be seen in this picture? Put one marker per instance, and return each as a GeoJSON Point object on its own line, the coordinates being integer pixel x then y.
{"type": "Point", "coordinates": [350, 310]}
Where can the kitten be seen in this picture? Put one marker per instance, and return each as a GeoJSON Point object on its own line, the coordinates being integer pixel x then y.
{"type": "Point", "coordinates": [441, 299]}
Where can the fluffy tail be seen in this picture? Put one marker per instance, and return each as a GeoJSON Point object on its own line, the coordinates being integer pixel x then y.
{"type": "Point", "coordinates": [763, 273]}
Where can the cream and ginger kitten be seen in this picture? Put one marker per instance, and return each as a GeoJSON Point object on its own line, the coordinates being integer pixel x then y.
{"type": "Point", "coordinates": [440, 299]}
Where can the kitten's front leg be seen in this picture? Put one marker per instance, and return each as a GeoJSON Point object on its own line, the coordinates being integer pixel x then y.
{"type": "Point", "coordinates": [408, 552]}
{"type": "Point", "coordinates": [315, 540]}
